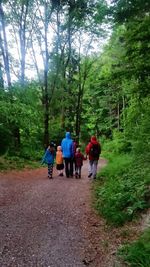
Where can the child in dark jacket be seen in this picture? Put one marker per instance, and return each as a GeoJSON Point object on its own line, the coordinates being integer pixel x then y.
{"type": "Point", "coordinates": [79, 157]}
{"type": "Point", "coordinates": [48, 158]}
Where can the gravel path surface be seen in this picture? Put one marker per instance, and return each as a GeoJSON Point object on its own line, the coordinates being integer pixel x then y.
{"type": "Point", "coordinates": [44, 223]}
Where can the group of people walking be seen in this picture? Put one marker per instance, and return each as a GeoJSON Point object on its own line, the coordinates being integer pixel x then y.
{"type": "Point", "coordinates": [69, 157]}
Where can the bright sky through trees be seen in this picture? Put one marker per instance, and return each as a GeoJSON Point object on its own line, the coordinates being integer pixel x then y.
{"type": "Point", "coordinates": [88, 46]}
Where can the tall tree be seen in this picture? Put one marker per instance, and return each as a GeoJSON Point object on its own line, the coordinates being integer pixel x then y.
{"type": "Point", "coordinates": [4, 45]}
{"type": "Point", "coordinates": [1, 77]}
{"type": "Point", "coordinates": [21, 22]}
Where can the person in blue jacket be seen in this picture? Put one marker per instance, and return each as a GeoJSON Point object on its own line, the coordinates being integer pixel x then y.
{"type": "Point", "coordinates": [49, 158]}
{"type": "Point", "coordinates": [67, 150]}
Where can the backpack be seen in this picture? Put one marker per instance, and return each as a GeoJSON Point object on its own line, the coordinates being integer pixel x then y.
{"type": "Point", "coordinates": [95, 151]}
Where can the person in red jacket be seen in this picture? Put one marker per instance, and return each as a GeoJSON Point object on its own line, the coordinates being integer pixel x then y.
{"type": "Point", "coordinates": [93, 150]}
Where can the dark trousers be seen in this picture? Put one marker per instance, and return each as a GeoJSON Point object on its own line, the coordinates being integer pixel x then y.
{"type": "Point", "coordinates": [68, 166]}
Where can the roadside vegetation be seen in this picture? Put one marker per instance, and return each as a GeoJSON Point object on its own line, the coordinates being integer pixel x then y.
{"type": "Point", "coordinates": [16, 162]}
{"type": "Point", "coordinates": [105, 93]}
{"type": "Point", "coordinates": [123, 190]}
{"type": "Point", "coordinates": [122, 194]}
{"type": "Point", "coordinates": [137, 254]}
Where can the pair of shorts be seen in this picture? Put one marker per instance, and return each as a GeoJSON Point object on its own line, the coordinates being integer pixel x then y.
{"type": "Point", "coordinates": [60, 167]}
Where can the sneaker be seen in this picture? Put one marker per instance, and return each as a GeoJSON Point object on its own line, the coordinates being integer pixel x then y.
{"type": "Point", "coordinates": [76, 175]}
{"type": "Point", "coordinates": [89, 175]}
{"type": "Point", "coordinates": [94, 178]}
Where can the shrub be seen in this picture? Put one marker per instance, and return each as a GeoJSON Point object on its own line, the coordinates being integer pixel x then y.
{"type": "Point", "coordinates": [124, 190]}
{"type": "Point", "coordinates": [137, 254]}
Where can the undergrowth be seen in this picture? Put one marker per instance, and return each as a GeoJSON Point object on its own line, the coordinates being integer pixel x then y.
{"type": "Point", "coordinates": [15, 162]}
{"type": "Point", "coordinates": [122, 189]}
{"type": "Point", "coordinates": [137, 254]}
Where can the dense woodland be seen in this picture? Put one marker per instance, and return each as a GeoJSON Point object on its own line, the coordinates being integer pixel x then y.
{"type": "Point", "coordinates": [52, 79]}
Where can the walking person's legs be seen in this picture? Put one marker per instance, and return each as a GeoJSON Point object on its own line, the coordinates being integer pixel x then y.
{"type": "Point", "coordinates": [71, 167]}
{"type": "Point", "coordinates": [80, 172]}
{"type": "Point", "coordinates": [66, 167]}
{"type": "Point", "coordinates": [61, 171]}
{"type": "Point", "coordinates": [58, 169]}
{"type": "Point", "coordinates": [74, 166]}
{"type": "Point", "coordinates": [77, 172]}
{"type": "Point", "coordinates": [50, 171]}
{"type": "Point", "coordinates": [90, 168]}
{"type": "Point", "coordinates": [94, 169]}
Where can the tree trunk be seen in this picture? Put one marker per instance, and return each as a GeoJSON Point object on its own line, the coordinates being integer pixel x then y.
{"type": "Point", "coordinates": [16, 134]}
{"type": "Point", "coordinates": [118, 116]}
{"type": "Point", "coordinates": [78, 116]}
{"type": "Point", "coordinates": [46, 113]}
{"type": "Point", "coordinates": [4, 46]}
{"type": "Point", "coordinates": [1, 78]}
{"type": "Point", "coordinates": [46, 98]}
{"type": "Point", "coordinates": [22, 37]}
{"type": "Point", "coordinates": [123, 108]}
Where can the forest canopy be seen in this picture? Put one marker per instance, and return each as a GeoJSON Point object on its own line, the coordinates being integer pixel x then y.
{"type": "Point", "coordinates": [81, 66]}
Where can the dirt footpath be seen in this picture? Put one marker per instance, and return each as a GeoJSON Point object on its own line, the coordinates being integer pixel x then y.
{"type": "Point", "coordinates": [46, 222]}
{"type": "Point", "coordinates": [51, 223]}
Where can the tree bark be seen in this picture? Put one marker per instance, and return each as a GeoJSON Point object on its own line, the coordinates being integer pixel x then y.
{"type": "Point", "coordinates": [46, 98]}
{"type": "Point", "coordinates": [22, 37]}
{"type": "Point", "coordinates": [1, 78]}
{"type": "Point", "coordinates": [4, 46]}
{"type": "Point", "coordinates": [118, 116]}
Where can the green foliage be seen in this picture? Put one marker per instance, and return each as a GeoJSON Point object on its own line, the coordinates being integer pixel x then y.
{"type": "Point", "coordinates": [124, 191]}
{"type": "Point", "coordinates": [118, 144]}
{"type": "Point", "coordinates": [20, 109]}
{"type": "Point", "coordinates": [138, 127]}
{"type": "Point", "coordinates": [117, 165]}
{"type": "Point", "coordinates": [16, 162]}
{"type": "Point", "coordinates": [137, 254]}
{"type": "Point", "coordinates": [127, 10]}
{"type": "Point", "coordinates": [123, 90]}
{"type": "Point", "coordinates": [56, 131]}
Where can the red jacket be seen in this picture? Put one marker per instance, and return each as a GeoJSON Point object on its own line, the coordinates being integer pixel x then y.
{"type": "Point", "coordinates": [79, 157]}
{"type": "Point", "coordinates": [89, 146]}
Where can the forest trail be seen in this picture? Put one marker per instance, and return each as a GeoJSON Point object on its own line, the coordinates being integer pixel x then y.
{"type": "Point", "coordinates": [50, 223]}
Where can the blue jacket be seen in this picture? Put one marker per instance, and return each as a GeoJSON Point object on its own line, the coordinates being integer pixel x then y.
{"type": "Point", "coordinates": [67, 146]}
{"type": "Point", "coordinates": [48, 157]}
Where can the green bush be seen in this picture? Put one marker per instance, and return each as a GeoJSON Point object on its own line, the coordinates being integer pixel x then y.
{"type": "Point", "coordinates": [15, 162]}
{"type": "Point", "coordinates": [31, 154]}
{"type": "Point", "coordinates": [137, 254]}
{"type": "Point", "coordinates": [118, 144]}
{"type": "Point", "coordinates": [117, 165]}
{"type": "Point", "coordinates": [124, 189]}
